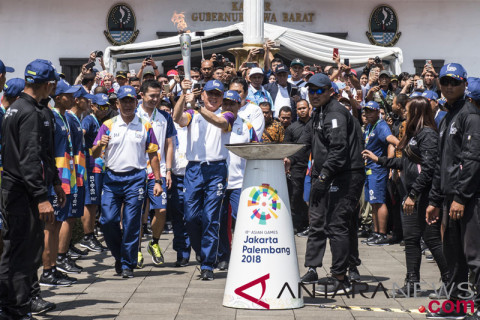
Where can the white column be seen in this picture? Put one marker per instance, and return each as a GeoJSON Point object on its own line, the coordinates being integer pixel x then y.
{"type": "Point", "coordinates": [253, 12]}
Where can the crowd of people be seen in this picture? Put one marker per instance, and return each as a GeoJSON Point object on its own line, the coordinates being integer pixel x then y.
{"type": "Point", "coordinates": [392, 159]}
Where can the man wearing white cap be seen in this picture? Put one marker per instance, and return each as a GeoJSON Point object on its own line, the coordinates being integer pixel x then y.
{"type": "Point", "coordinates": [256, 92]}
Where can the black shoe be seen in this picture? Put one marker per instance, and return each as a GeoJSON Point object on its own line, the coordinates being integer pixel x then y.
{"type": "Point", "coordinates": [27, 317]}
{"type": "Point", "coordinates": [474, 316]}
{"type": "Point", "coordinates": [332, 286]}
{"type": "Point", "coordinates": [364, 232]}
{"type": "Point", "coordinates": [206, 275]}
{"type": "Point", "coordinates": [409, 287]}
{"type": "Point", "coordinates": [423, 246]}
{"type": "Point", "coordinates": [402, 243]}
{"type": "Point", "coordinates": [372, 237]}
{"type": "Point", "coordinates": [310, 277]}
{"type": "Point", "coordinates": [443, 315]}
{"type": "Point", "coordinates": [396, 239]}
{"type": "Point", "coordinates": [146, 230]}
{"type": "Point", "coordinates": [53, 280]}
{"type": "Point", "coordinates": [39, 305]}
{"type": "Point", "coordinates": [68, 266]}
{"type": "Point", "coordinates": [80, 252]}
{"type": "Point", "coordinates": [181, 263]}
{"type": "Point", "coordinates": [222, 265]}
{"type": "Point", "coordinates": [304, 233]}
{"type": "Point", "coordinates": [353, 274]}
{"type": "Point", "coordinates": [429, 257]}
{"type": "Point", "coordinates": [91, 244]}
{"type": "Point", "coordinates": [65, 276]}
{"type": "Point", "coordinates": [118, 267]}
{"type": "Point", "coordinates": [381, 240]}
{"type": "Point", "coordinates": [127, 273]}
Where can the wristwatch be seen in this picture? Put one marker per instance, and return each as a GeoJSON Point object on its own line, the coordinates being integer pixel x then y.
{"type": "Point", "coordinates": [155, 68]}
{"type": "Point", "coordinates": [412, 195]}
{"type": "Point", "coordinates": [159, 181]}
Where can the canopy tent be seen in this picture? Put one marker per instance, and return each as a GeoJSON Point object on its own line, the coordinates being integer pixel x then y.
{"type": "Point", "coordinates": [294, 43]}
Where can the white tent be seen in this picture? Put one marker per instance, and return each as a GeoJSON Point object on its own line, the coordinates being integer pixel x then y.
{"type": "Point", "coordinates": [294, 43]}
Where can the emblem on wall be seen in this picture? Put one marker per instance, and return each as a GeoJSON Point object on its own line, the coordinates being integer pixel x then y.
{"type": "Point", "coordinates": [121, 25]}
{"type": "Point", "coordinates": [383, 26]}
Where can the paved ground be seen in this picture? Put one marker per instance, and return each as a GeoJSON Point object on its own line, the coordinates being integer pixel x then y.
{"type": "Point", "coordinates": [167, 292]}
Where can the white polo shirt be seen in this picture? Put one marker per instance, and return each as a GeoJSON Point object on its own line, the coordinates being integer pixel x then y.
{"type": "Point", "coordinates": [128, 143]}
{"type": "Point", "coordinates": [206, 142]}
{"type": "Point", "coordinates": [281, 100]}
{"type": "Point", "coordinates": [180, 156]}
{"type": "Point", "coordinates": [163, 127]}
{"type": "Point", "coordinates": [253, 114]}
{"type": "Point", "coordinates": [242, 132]}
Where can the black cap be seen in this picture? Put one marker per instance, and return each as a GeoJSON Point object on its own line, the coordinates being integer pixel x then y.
{"type": "Point", "coordinates": [384, 73]}
{"type": "Point", "coordinates": [319, 80]}
{"type": "Point", "coordinates": [122, 74]}
{"type": "Point", "coordinates": [281, 68]}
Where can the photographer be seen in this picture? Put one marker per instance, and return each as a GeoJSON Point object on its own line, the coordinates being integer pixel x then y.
{"type": "Point", "coordinates": [382, 93]}
{"type": "Point", "coordinates": [148, 61]}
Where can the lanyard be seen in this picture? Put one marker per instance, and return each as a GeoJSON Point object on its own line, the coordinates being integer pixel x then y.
{"type": "Point", "coordinates": [96, 121]}
{"type": "Point", "coordinates": [3, 108]}
{"type": "Point", "coordinates": [370, 133]}
{"type": "Point", "coordinates": [69, 138]}
{"type": "Point", "coordinates": [80, 125]}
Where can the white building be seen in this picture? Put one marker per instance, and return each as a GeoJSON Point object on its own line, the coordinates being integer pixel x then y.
{"type": "Point", "coordinates": [65, 32]}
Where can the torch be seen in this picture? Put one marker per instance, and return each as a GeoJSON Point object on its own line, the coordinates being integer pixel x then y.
{"type": "Point", "coordinates": [186, 43]}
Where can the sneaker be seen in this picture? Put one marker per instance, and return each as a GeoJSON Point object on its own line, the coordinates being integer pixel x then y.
{"type": "Point", "coordinates": [98, 243]}
{"type": "Point", "coordinates": [310, 277]}
{"type": "Point", "coordinates": [423, 246]}
{"type": "Point", "coordinates": [381, 240]}
{"type": "Point", "coordinates": [372, 237]}
{"type": "Point", "coordinates": [353, 274]}
{"type": "Point", "coordinates": [168, 228]}
{"type": "Point", "coordinates": [140, 260]}
{"type": "Point", "coordinates": [118, 267]}
{"type": "Point", "coordinates": [429, 257]}
{"type": "Point", "coordinates": [402, 243]}
{"type": "Point", "coordinates": [65, 276]}
{"type": "Point", "coordinates": [91, 244]}
{"type": "Point", "coordinates": [38, 305]}
{"type": "Point", "coordinates": [364, 232]}
{"type": "Point", "coordinates": [68, 266]}
{"type": "Point", "coordinates": [156, 253]}
{"type": "Point", "coordinates": [146, 230]}
{"type": "Point", "coordinates": [181, 263]}
{"type": "Point", "coordinates": [474, 316]}
{"type": "Point", "coordinates": [206, 275]}
{"type": "Point", "coordinates": [332, 286]}
{"type": "Point", "coordinates": [28, 316]}
{"type": "Point", "coordinates": [76, 253]}
{"type": "Point", "coordinates": [443, 315]}
{"type": "Point", "coordinates": [223, 265]}
{"type": "Point", "coordinates": [304, 233]}
{"type": "Point", "coordinates": [52, 280]}
{"type": "Point", "coordinates": [127, 273]}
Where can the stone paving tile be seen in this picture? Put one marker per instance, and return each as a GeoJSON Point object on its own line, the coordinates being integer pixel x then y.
{"type": "Point", "coordinates": [166, 292]}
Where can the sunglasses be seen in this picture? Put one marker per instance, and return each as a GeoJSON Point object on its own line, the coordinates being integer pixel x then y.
{"type": "Point", "coordinates": [445, 81]}
{"type": "Point", "coordinates": [103, 108]}
{"type": "Point", "coordinates": [317, 91]}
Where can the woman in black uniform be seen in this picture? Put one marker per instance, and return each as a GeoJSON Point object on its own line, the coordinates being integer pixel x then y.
{"type": "Point", "coordinates": [419, 146]}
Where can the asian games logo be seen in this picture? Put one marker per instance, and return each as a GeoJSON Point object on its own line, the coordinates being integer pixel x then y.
{"type": "Point", "coordinates": [266, 203]}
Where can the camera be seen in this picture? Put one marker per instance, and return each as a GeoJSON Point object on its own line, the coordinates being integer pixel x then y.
{"type": "Point", "coordinates": [219, 58]}
{"type": "Point", "coordinates": [99, 54]}
{"type": "Point", "coordinates": [378, 60]}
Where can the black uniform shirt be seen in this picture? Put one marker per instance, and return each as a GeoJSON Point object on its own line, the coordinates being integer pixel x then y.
{"type": "Point", "coordinates": [292, 135]}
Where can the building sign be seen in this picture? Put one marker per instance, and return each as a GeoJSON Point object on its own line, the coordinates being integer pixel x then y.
{"type": "Point", "coordinates": [383, 26]}
{"type": "Point", "coordinates": [236, 15]}
{"type": "Point", "coordinates": [121, 25]}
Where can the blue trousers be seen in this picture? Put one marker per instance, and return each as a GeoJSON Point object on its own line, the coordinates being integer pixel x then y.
{"type": "Point", "coordinates": [204, 188]}
{"type": "Point", "coordinates": [232, 198]}
{"type": "Point", "coordinates": [175, 205]}
{"type": "Point", "coordinates": [127, 189]}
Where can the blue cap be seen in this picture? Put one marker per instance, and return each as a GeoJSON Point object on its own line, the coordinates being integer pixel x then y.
{"type": "Point", "coordinates": [473, 88]}
{"type": "Point", "coordinates": [372, 105]}
{"type": "Point", "coordinates": [126, 91]}
{"type": "Point", "coordinates": [319, 80]}
{"type": "Point", "coordinates": [442, 101]}
{"type": "Point", "coordinates": [4, 68]}
{"type": "Point", "coordinates": [453, 70]}
{"type": "Point", "coordinates": [82, 93]}
{"type": "Point", "coordinates": [64, 87]}
{"type": "Point", "coordinates": [39, 71]}
{"type": "Point", "coordinates": [415, 94]}
{"type": "Point", "coordinates": [13, 87]}
{"type": "Point", "coordinates": [430, 95]}
{"type": "Point", "coordinates": [232, 95]}
{"type": "Point", "coordinates": [335, 87]}
{"type": "Point", "coordinates": [100, 99]}
{"type": "Point", "coordinates": [214, 85]}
